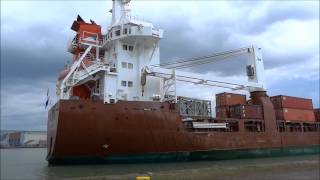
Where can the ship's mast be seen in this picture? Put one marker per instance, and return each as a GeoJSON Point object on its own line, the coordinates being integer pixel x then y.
{"type": "Point", "coordinates": [120, 10]}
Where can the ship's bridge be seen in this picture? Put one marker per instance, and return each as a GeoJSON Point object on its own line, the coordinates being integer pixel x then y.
{"type": "Point", "coordinates": [133, 32]}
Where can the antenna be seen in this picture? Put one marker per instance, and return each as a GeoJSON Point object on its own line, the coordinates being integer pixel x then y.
{"type": "Point", "coordinates": [126, 1]}
{"type": "Point", "coordinates": [120, 10]}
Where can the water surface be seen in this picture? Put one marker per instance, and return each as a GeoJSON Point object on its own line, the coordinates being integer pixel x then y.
{"type": "Point", "coordinates": [30, 163]}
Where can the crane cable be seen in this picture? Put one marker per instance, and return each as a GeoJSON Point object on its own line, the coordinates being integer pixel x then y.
{"type": "Point", "coordinates": [202, 62]}
{"type": "Point", "coordinates": [184, 63]}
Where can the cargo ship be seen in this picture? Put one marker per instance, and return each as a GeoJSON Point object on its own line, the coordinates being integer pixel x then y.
{"type": "Point", "coordinates": [119, 104]}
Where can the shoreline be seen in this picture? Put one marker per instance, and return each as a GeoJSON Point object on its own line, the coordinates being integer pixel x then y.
{"type": "Point", "coordinates": [25, 147]}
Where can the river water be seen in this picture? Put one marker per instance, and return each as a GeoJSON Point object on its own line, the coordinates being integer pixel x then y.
{"type": "Point", "coordinates": [30, 163]}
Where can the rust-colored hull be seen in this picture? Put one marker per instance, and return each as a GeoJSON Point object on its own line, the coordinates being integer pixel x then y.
{"type": "Point", "coordinates": [87, 128]}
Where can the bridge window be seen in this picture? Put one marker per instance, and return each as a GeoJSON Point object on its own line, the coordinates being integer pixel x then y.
{"type": "Point", "coordinates": [130, 83]}
{"type": "Point", "coordinates": [117, 32]}
{"type": "Point", "coordinates": [130, 66]}
{"type": "Point", "coordinates": [125, 31]}
{"type": "Point", "coordinates": [125, 47]}
{"type": "Point", "coordinates": [124, 65]}
{"type": "Point", "coordinates": [124, 83]}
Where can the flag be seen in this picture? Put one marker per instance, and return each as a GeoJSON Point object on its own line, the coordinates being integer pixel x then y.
{"type": "Point", "coordinates": [47, 101]}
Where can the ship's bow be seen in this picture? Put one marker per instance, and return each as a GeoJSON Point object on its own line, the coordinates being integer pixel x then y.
{"type": "Point", "coordinates": [53, 115]}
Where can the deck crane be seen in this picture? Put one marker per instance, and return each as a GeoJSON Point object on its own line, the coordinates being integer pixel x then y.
{"type": "Point", "coordinates": [170, 75]}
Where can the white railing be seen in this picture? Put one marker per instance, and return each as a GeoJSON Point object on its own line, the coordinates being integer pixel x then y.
{"type": "Point", "coordinates": [136, 31]}
{"type": "Point", "coordinates": [202, 125]}
{"type": "Point", "coordinates": [90, 38]}
{"type": "Point", "coordinates": [90, 70]}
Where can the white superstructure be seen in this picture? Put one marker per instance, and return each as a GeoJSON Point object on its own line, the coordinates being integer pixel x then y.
{"type": "Point", "coordinates": [130, 68]}
{"type": "Point", "coordinates": [130, 45]}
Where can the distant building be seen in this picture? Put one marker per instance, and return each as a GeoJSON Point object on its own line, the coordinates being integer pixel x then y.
{"type": "Point", "coordinates": [4, 141]}
{"type": "Point", "coordinates": [15, 139]}
{"type": "Point", "coordinates": [33, 138]}
{"type": "Point", "coordinates": [24, 139]}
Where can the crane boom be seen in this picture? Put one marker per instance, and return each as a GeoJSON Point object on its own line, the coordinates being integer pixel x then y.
{"type": "Point", "coordinates": [168, 73]}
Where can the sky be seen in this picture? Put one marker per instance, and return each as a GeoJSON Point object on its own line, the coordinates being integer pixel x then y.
{"type": "Point", "coordinates": [34, 38]}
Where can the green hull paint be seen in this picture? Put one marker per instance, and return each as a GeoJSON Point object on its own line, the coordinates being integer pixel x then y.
{"type": "Point", "coordinates": [189, 156]}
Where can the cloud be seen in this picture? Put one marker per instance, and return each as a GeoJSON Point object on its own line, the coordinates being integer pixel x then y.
{"type": "Point", "coordinates": [34, 37]}
{"type": "Point", "coordinates": [23, 104]}
{"type": "Point", "coordinates": [261, 16]}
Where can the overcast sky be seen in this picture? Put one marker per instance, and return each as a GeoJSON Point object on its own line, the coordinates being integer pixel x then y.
{"type": "Point", "coordinates": [34, 36]}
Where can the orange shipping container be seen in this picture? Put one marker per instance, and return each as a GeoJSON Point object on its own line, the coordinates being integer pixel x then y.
{"type": "Point", "coordinates": [222, 112]}
{"type": "Point", "coordinates": [290, 114]}
{"type": "Point", "coordinates": [227, 99]}
{"type": "Point", "coordinates": [246, 112]}
{"type": "Point", "coordinates": [291, 102]}
{"type": "Point", "coordinates": [317, 114]}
